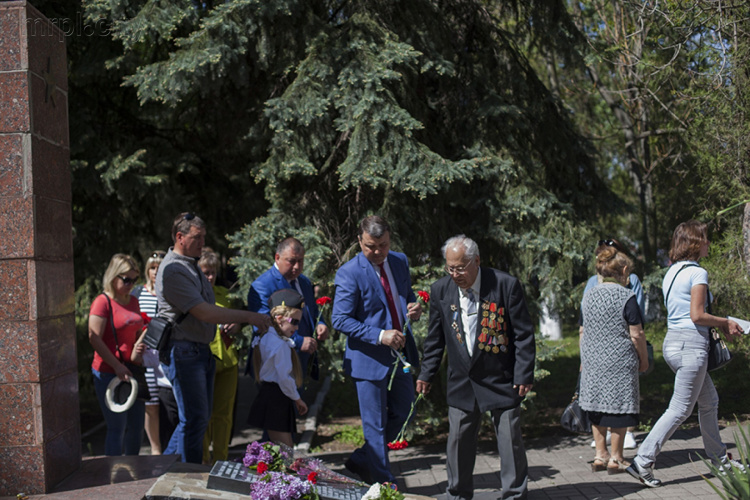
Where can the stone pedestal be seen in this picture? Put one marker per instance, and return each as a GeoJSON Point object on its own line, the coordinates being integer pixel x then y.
{"type": "Point", "coordinates": [39, 418]}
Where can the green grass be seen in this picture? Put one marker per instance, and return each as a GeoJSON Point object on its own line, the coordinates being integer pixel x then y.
{"type": "Point", "coordinates": [350, 434]}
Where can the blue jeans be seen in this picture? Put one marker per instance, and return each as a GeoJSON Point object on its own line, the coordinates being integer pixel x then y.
{"type": "Point", "coordinates": [686, 353]}
{"type": "Point", "coordinates": [191, 373]}
{"type": "Point", "coordinates": [124, 430]}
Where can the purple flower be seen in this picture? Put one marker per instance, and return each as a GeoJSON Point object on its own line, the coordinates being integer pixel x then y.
{"type": "Point", "coordinates": [256, 452]}
{"type": "Point", "coordinates": [279, 486]}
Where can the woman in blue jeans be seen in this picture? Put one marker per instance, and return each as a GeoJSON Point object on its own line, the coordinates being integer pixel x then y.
{"type": "Point", "coordinates": [116, 305]}
{"type": "Point", "coordinates": [685, 350]}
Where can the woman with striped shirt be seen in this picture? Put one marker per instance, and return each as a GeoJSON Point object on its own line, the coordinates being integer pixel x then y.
{"type": "Point", "coordinates": [149, 306]}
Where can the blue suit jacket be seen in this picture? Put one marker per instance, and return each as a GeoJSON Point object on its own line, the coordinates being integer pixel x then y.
{"type": "Point", "coordinates": [360, 311]}
{"type": "Point", "coordinates": [269, 282]}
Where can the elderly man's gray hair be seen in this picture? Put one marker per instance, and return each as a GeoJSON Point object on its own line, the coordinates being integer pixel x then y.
{"type": "Point", "coordinates": [457, 242]}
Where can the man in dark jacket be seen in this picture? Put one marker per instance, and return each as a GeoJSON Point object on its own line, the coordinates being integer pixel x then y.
{"type": "Point", "coordinates": [479, 315]}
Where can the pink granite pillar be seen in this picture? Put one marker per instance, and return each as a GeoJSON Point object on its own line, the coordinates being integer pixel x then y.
{"type": "Point", "coordinates": [39, 420]}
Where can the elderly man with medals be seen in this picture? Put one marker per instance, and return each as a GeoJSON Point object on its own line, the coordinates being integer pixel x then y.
{"type": "Point", "coordinates": [479, 316]}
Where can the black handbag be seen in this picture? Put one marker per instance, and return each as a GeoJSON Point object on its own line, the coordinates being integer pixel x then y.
{"type": "Point", "coordinates": [575, 418]}
{"type": "Point", "coordinates": [157, 333]}
{"type": "Point", "coordinates": [718, 352]}
{"type": "Point", "coordinates": [138, 371]}
{"type": "Point", "coordinates": [157, 336]}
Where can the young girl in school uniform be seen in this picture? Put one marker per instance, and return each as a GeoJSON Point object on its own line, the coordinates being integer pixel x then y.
{"type": "Point", "coordinates": [278, 370]}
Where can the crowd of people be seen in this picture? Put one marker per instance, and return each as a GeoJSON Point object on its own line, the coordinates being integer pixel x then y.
{"type": "Point", "coordinates": [478, 316]}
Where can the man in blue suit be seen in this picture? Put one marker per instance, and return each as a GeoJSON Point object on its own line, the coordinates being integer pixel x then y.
{"type": "Point", "coordinates": [372, 302]}
{"type": "Point", "coordinates": [287, 273]}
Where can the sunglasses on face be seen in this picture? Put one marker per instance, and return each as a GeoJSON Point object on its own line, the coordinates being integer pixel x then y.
{"type": "Point", "coordinates": [128, 281]}
{"type": "Point", "coordinates": [292, 321]}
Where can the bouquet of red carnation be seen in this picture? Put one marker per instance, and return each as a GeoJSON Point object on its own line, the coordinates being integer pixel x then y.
{"type": "Point", "coordinates": [314, 467]}
{"type": "Point", "coordinates": [400, 442]}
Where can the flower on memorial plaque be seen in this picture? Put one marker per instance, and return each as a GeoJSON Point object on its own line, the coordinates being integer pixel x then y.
{"type": "Point", "coordinates": [271, 455]}
{"type": "Point", "coordinates": [385, 491]}
{"type": "Point", "coordinates": [306, 467]}
{"type": "Point", "coordinates": [281, 486]}
{"type": "Point", "coordinates": [312, 477]}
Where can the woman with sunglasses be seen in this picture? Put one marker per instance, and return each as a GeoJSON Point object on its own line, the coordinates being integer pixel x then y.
{"type": "Point", "coordinates": [124, 430]}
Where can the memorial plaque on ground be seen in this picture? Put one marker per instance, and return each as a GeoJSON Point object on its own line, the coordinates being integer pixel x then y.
{"type": "Point", "coordinates": [235, 477]}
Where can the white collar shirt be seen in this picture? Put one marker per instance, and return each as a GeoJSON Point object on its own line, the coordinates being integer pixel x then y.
{"type": "Point", "coordinates": [469, 312]}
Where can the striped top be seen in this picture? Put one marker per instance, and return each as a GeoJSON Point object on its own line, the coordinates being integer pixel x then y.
{"type": "Point", "coordinates": [147, 302]}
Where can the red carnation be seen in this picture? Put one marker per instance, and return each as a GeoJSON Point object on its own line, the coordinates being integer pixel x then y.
{"type": "Point", "coordinates": [398, 445]}
{"type": "Point", "coordinates": [424, 296]}
{"type": "Point", "coordinates": [146, 319]}
{"type": "Point", "coordinates": [324, 301]}
{"type": "Point", "coordinates": [313, 477]}
{"type": "Point", "coordinates": [262, 467]}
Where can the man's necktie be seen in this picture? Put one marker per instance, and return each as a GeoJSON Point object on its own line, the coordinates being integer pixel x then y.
{"type": "Point", "coordinates": [389, 297]}
{"type": "Point", "coordinates": [473, 306]}
{"type": "Point", "coordinates": [471, 323]}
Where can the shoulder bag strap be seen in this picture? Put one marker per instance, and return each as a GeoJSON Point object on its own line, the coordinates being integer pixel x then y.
{"type": "Point", "coordinates": [114, 330]}
{"type": "Point", "coordinates": [675, 277]}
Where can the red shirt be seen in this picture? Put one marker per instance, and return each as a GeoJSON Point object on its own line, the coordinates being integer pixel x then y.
{"type": "Point", "coordinates": [128, 323]}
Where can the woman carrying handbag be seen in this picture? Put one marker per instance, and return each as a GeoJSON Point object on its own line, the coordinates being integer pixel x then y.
{"type": "Point", "coordinates": [685, 350]}
{"type": "Point", "coordinates": [115, 323]}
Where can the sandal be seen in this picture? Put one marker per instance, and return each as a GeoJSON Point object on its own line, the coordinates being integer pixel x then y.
{"type": "Point", "coordinates": [599, 464]}
{"type": "Point", "coordinates": [617, 466]}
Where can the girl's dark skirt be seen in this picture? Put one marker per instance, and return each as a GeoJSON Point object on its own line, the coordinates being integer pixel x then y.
{"type": "Point", "coordinates": [272, 410]}
{"type": "Point", "coordinates": [613, 420]}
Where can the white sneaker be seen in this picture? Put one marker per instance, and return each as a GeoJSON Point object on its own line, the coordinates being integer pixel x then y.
{"type": "Point", "coordinates": [630, 443]}
{"type": "Point", "coordinates": [609, 440]}
{"type": "Point", "coordinates": [727, 463]}
{"type": "Point", "coordinates": [644, 474]}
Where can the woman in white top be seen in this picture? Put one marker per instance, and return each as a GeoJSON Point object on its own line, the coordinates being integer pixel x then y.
{"type": "Point", "coordinates": [685, 350]}
{"type": "Point", "coordinates": [278, 370]}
